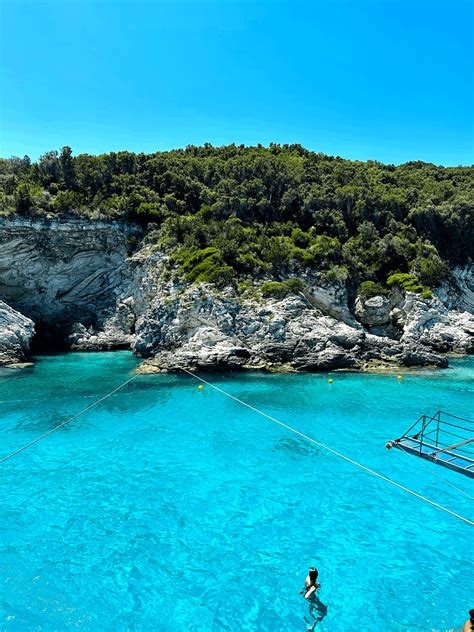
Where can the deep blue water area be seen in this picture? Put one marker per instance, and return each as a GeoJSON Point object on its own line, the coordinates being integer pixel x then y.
{"type": "Point", "coordinates": [168, 508]}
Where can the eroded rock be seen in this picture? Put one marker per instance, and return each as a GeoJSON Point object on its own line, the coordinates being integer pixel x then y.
{"type": "Point", "coordinates": [61, 272]}
{"type": "Point", "coordinates": [78, 276]}
{"type": "Point", "coordinates": [373, 311]}
{"type": "Point", "coordinates": [16, 333]}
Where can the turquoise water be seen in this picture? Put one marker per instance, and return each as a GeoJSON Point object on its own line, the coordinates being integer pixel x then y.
{"type": "Point", "coordinates": [166, 508]}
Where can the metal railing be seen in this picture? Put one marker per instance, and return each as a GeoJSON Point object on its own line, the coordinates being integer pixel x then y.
{"type": "Point", "coordinates": [439, 426]}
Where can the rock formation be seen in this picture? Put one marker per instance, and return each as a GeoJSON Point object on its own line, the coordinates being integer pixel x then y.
{"type": "Point", "coordinates": [204, 329]}
{"type": "Point", "coordinates": [78, 280]}
{"type": "Point", "coordinates": [16, 332]}
{"type": "Point", "coordinates": [57, 272]}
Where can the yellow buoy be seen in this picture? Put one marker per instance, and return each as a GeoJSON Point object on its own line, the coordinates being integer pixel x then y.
{"type": "Point", "coordinates": [399, 377]}
{"type": "Point", "coordinates": [200, 387]}
{"type": "Point", "coordinates": [330, 381]}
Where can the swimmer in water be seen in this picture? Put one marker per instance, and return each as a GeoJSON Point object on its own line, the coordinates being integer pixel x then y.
{"type": "Point", "coordinates": [469, 625]}
{"type": "Point", "coordinates": [316, 607]}
{"type": "Point", "coordinates": [311, 584]}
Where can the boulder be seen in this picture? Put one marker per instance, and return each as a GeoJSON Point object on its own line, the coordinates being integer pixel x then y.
{"type": "Point", "coordinates": [16, 332]}
{"type": "Point", "coordinates": [331, 357]}
{"type": "Point", "coordinates": [418, 356]}
{"type": "Point", "coordinates": [331, 299]}
{"type": "Point", "coordinates": [429, 322]}
{"type": "Point", "coordinates": [220, 358]}
{"type": "Point", "coordinates": [114, 332]}
{"type": "Point", "coordinates": [373, 311]}
{"type": "Point", "coordinates": [455, 334]}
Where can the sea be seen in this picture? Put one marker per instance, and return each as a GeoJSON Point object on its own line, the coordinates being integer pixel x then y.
{"type": "Point", "coordinates": [170, 507]}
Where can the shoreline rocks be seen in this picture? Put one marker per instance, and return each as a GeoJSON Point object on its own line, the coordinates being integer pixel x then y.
{"type": "Point", "coordinates": [78, 280]}
{"type": "Point", "coordinates": [16, 333]}
{"type": "Point", "coordinates": [202, 329]}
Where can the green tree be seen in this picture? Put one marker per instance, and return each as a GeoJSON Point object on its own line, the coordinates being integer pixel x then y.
{"type": "Point", "coordinates": [23, 199]}
{"type": "Point", "coordinates": [66, 163]}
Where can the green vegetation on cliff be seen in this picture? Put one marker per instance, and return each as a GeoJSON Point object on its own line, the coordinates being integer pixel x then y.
{"type": "Point", "coordinates": [230, 212]}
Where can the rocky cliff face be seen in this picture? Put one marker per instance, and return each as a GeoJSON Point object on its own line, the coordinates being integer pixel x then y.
{"type": "Point", "coordinates": [58, 273]}
{"type": "Point", "coordinates": [207, 330]}
{"type": "Point", "coordinates": [16, 332]}
{"type": "Point", "coordinates": [77, 278]}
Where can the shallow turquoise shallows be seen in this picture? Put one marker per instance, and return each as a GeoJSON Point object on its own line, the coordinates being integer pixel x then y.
{"type": "Point", "coordinates": [169, 508]}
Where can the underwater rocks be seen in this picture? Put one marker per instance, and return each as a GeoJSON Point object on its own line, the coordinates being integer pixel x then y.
{"type": "Point", "coordinates": [16, 332]}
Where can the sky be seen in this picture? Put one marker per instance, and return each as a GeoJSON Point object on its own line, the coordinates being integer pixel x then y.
{"type": "Point", "coordinates": [388, 80]}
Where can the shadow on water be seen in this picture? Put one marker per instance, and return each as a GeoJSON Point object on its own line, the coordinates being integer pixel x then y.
{"type": "Point", "coordinates": [297, 447]}
{"type": "Point", "coordinates": [317, 612]}
{"type": "Point", "coordinates": [41, 415]}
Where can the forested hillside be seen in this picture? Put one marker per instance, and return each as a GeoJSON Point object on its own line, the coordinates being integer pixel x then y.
{"type": "Point", "coordinates": [231, 213]}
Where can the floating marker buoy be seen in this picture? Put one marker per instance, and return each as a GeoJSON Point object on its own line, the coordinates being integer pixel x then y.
{"type": "Point", "coordinates": [330, 381]}
{"type": "Point", "coordinates": [399, 377]}
{"type": "Point", "coordinates": [200, 387]}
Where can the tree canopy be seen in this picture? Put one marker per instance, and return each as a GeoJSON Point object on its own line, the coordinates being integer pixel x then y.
{"type": "Point", "coordinates": [230, 212]}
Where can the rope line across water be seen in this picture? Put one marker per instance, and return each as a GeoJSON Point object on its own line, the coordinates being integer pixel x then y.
{"type": "Point", "coordinates": [69, 419]}
{"type": "Point", "coordinates": [325, 447]}
{"type": "Point", "coordinates": [260, 412]}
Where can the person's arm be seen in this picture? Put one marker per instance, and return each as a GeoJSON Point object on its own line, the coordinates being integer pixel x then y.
{"type": "Point", "coordinates": [310, 592]}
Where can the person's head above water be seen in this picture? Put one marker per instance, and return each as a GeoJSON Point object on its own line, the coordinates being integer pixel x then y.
{"type": "Point", "coordinates": [313, 574]}
{"type": "Point", "coordinates": [471, 614]}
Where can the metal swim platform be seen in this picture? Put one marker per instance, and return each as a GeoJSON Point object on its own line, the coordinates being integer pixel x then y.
{"type": "Point", "coordinates": [443, 439]}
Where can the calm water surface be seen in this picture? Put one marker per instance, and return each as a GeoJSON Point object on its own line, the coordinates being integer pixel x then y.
{"type": "Point", "coordinates": [166, 508]}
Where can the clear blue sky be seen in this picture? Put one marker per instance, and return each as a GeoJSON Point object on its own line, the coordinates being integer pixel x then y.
{"type": "Point", "coordinates": [390, 80]}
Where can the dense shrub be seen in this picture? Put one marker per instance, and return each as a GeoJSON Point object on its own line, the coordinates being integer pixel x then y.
{"type": "Point", "coordinates": [67, 201]}
{"type": "Point", "coordinates": [369, 289]}
{"type": "Point", "coordinates": [281, 289]}
{"type": "Point", "coordinates": [409, 283]}
{"type": "Point", "coordinates": [431, 271]}
{"type": "Point", "coordinates": [23, 199]}
{"type": "Point", "coordinates": [204, 265]}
